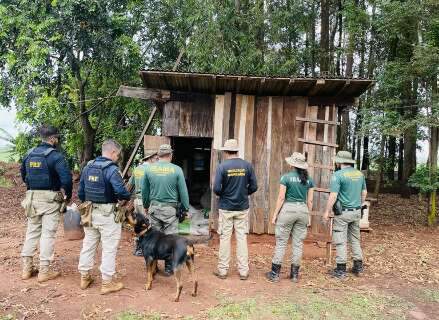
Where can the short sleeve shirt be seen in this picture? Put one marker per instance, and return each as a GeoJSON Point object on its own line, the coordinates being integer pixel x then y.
{"type": "Point", "coordinates": [137, 178]}
{"type": "Point", "coordinates": [296, 191]}
{"type": "Point", "coordinates": [348, 183]}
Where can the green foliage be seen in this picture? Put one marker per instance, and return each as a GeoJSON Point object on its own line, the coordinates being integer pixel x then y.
{"type": "Point", "coordinates": [424, 180]}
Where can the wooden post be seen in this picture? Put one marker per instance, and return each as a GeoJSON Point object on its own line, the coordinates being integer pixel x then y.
{"type": "Point", "coordinates": [139, 142]}
{"type": "Point", "coordinates": [220, 134]}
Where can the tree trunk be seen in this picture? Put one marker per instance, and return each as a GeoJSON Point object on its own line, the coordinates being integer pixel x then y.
{"type": "Point", "coordinates": [380, 168]}
{"type": "Point", "coordinates": [313, 39]}
{"type": "Point", "coordinates": [400, 158]}
{"type": "Point", "coordinates": [340, 36]}
{"type": "Point", "coordinates": [366, 161]}
{"type": "Point", "coordinates": [391, 159]}
{"type": "Point", "coordinates": [324, 36]}
{"type": "Point", "coordinates": [89, 131]}
{"type": "Point", "coordinates": [343, 129]}
{"type": "Point", "coordinates": [432, 160]}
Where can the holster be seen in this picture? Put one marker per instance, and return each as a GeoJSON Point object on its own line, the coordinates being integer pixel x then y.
{"type": "Point", "coordinates": [121, 212]}
{"type": "Point", "coordinates": [337, 208]}
{"type": "Point", "coordinates": [363, 208]}
{"type": "Point", "coordinates": [85, 210]}
{"type": "Point", "coordinates": [59, 197]}
{"type": "Point", "coordinates": [29, 209]}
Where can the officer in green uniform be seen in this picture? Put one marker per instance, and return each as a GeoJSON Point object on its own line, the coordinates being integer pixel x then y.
{"type": "Point", "coordinates": [348, 186]}
{"type": "Point", "coordinates": [291, 215]}
{"type": "Point", "coordinates": [163, 189]}
{"type": "Point", "coordinates": [136, 182]}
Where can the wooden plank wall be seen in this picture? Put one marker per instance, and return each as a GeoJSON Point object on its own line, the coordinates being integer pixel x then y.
{"type": "Point", "coordinates": [220, 135]}
{"type": "Point", "coordinates": [275, 135]}
{"type": "Point", "coordinates": [192, 118]}
{"type": "Point", "coordinates": [268, 132]}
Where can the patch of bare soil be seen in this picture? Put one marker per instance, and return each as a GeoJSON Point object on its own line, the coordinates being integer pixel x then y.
{"type": "Point", "coordinates": [401, 258]}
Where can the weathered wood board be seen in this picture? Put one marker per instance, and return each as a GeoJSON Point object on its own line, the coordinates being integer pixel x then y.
{"type": "Point", "coordinates": [193, 118]}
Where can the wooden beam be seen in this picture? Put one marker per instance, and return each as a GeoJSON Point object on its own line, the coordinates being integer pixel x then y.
{"type": "Point", "coordinates": [139, 142]}
{"type": "Point", "coordinates": [143, 93]}
{"type": "Point", "coordinates": [343, 88]}
{"type": "Point", "coordinates": [317, 121]}
{"type": "Point", "coordinates": [318, 143]}
{"type": "Point", "coordinates": [288, 87]}
{"type": "Point", "coordinates": [327, 100]}
{"type": "Point", "coordinates": [315, 89]}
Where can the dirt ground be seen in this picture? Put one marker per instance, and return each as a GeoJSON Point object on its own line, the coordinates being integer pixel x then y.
{"type": "Point", "coordinates": [401, 260]}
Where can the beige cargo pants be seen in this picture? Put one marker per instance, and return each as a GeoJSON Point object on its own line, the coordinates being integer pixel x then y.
{"type": "Point", "coordinates": [229, 220]}
{"type": "Point", "coordinates": [292, 219]}
{"type": "Point", "coordinates": [42, 224]}
{"type": "Point", "coordinates": [105, 231]}
{"type": "Point", "coordinates": [347, 229]}
{"type": "Point", "coordinates": [163, 218]}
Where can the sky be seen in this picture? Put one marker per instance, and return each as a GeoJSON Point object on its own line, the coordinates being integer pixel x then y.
{"type": "Point", "coordinates": [7, 122]}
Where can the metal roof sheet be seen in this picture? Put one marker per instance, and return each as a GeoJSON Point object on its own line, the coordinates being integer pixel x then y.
{"type": "Point", "coordinates": [254, 85]}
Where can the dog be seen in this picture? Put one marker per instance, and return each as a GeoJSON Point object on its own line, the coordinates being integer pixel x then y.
{"type": "Point", "coordinates": [158, 246]}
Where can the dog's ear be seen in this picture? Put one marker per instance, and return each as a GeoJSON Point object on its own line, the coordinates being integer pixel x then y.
{"type": "Point", "coordinates": [131, 220]}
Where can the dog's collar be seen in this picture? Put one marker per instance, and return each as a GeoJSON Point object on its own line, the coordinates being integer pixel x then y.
{"type": "Point", "coordinates": [142, 233]}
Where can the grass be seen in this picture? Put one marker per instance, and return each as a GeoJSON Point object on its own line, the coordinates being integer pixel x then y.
{"type": "Point", "coordinates": [303, 304]}
{"type": "Point", "coordinates": [307, 305]}
{"type": "Point", "coordinates": [429, 295]}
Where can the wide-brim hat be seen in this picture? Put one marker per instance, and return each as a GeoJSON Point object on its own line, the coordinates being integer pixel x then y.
{"type": "Point", "coordinates": [230, 145]}
{"type": "Point", "coordinates": [149, 155]}
{"type": "Point", "coordinates": [344, 157]}
{"type": "Point", "coordinates": [297, 160]}
{"type": "Point", "coordinates": [165, 149]}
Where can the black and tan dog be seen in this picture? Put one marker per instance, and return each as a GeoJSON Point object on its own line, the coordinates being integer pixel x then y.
{"type": "Point", "coordinates": [158, 246]}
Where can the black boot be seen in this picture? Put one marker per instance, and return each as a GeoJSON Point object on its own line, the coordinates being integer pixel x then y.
{"type": "Point", "coordinates": [357, 267]}
{"type": "Point", "coordinates": [137, 249]}
{"type": "Point", "coordinates": [273, 275]}
{"type": "Point", "coordinates": [294, 275]}
{"type": "Point", "coordinates": [339, 272]}
{"type": "Point", "coordinates": [168, 268]}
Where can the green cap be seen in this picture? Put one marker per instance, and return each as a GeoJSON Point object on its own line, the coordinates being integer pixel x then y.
{"type": "Point", "coordinates": [344, 157]}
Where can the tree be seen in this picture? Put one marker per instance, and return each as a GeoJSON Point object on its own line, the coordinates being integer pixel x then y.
{"type": "Point", "coordinates": [59, 55]}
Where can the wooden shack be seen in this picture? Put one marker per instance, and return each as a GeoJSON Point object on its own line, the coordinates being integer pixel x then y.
{"type": "Point", "coordinates": [271, 117]}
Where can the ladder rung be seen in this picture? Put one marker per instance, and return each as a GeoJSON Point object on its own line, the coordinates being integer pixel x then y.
{"type": "Point", "coordinates": [322, 190]}
{"type": "Point", "coordinates": [317, 121]}
{"type": "Point", "coordinates": [321, 166]}
{"type": "Point", "coordinates": [319, 143]}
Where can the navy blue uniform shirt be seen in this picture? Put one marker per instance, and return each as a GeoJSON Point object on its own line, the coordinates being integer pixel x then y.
{"type": "Point", "coordinates": [58, 168]}
{"type": "Point", "coordinates": [234, 181]}
{"type": "Point", "coordinates": [115, 186]}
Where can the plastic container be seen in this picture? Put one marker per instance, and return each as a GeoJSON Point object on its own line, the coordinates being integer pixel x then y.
{"type": "Point", "coordinates": [72, 224]}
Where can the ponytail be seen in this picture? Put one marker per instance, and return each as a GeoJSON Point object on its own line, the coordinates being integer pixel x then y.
{"type": "Point", "coordinates": [303, 175]}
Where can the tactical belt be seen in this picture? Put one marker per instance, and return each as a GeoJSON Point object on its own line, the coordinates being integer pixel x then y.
{"type": "Point", "coordinates": [164, 204]}
{"type": "Point", "coordinates": [351, 209]}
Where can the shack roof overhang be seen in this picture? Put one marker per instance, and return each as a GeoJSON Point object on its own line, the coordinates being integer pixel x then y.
{"type": "Point", "coordinates": [254, 85]}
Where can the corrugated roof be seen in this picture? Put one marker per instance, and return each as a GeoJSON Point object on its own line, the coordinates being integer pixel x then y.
{"type": "Point", "coordinates": [253, 85]}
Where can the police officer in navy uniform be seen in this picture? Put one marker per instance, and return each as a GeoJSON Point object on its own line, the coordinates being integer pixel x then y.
{"type": "Point", "coordinates": [102, 184]}
{"type": "Point", "coordinates": [45, 172]}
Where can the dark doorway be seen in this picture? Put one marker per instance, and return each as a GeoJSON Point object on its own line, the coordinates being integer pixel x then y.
{"type": "Point", "coordinates": [193, 156]}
